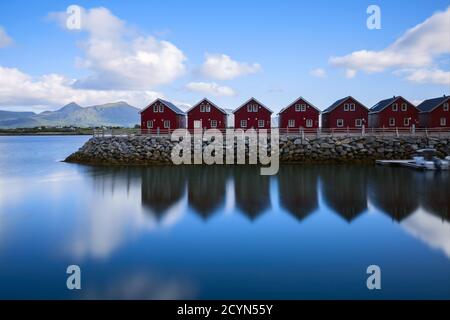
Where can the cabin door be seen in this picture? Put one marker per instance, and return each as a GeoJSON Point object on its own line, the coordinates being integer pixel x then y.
{"type": "Point", "coordinates": [197, 124]}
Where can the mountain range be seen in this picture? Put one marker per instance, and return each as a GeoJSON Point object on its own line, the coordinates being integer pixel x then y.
{"type": "Point", "coordinates": [118, 114]}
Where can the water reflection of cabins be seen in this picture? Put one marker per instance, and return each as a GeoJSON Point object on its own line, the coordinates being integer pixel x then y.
{"type": "Point", "coordinates": [251, 190]}
{"type": "Point", "coordinates": [344, 189]}
{"type": "Point", "coordinates": [298, 189]}
{"type": "Point", "coordinates": [162, 187]}
{"type": "Point", "coordinates": [206, 188]}
{"type": "Point", "coordinates": [394, 191]}
{"type": "Point", "coordinates": [434, 192]}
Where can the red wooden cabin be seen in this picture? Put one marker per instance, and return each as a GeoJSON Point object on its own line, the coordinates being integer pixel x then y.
{"type": "Point", "coordinates": [435, 113]}
{"type": "Point", "coordinates": [345, 113]}
{"type": "Point", "coordinates": [299, 114]}
{"type": "Point", "coordinates": [395, 112]}
{"type": "Point", "coordinates": [206, 115]}
{"type": "Point", "coordinates": [252, 114]}
{"type": "Point", "coordinates": [162, 116]}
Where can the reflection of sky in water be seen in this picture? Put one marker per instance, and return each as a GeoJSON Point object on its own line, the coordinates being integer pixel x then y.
{"type": "Point", "coordinates": [217, 232]}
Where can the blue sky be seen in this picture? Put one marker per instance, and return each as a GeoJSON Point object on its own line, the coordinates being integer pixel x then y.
{"type": "Point", "coordinates": [227, 51]}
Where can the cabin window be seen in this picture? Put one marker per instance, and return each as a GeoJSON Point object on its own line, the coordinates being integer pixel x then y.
{"type": "Point", "coordinates": [202, 108]}
{"type": "Point", "coordinates": [406, 121]}
{"type": "Point", "coordinates": [309, 123]}
{"type": "Point", "coordinates": [207, 108]}
{"type": "Point", "coordinates": [394, 107]}
{"type": "Point", "coordinates": [303, 107]}
{"type": "Point", "coordinates": [249, 108]}
{"type": "Point", "coordinates": [298, 107]}
{"type": "Point", "coordinates": [243, 123]}
{"type": "Point", "coordinates": [446, 106]}
{"type": "Point", "coordinates": [197, 124]}
{"type": "Point", "coordinates": [213, 123]}
{"type": "Point", "coordinates": [404, 107]}
{"type": "Point", "coordinates": [291, 123]}
{"type": "Point", "coordinates": [260, 123]}
{"type": "Point", "coordinates": [392, 122]}
{"type": "Point", "coordinates": [352, 107]}
{"type": "Point", "coordinates": [443, 122]}
{"type": "Point", "coordinates": [358, 122]}
{"type": "Point", "coordinates": [340, 123]}
{"type": "Point", "coordinates": [346, 107]}
{"type": "Point", "coordinates": [255, 108]}
{"type": "Point", "coordinates": [155, 108]}
{"type": "Point", "coordinates": [167, 124]}
{"type": "Point", "coordinates": [149, 124]}
{"type": "Point", "coordinates": [161, 108]}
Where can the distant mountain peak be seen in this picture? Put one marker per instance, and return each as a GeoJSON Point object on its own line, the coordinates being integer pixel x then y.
{"type": "Point", "coordinates": [70, 107]}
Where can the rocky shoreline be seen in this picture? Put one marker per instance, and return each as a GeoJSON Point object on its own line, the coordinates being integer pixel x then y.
{"type": "Point", "coordinates": [144, 150]}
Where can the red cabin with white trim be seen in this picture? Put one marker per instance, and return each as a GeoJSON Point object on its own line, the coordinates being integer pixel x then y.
{"type": "Point", "coordinates": [299, 114]}
{"type": "Point", "coordinates": [395, 112]}
{"type": "Point", "coordinates": [162, 116]}
{"type": "Point", "coordinates": [252, 114]}
{"type": "Point", "coordinates": [206, 115]}
{"type": "Point", "coordinates": [345, 113]}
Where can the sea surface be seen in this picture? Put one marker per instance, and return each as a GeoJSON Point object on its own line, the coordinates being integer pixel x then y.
{"type": "Point", "coordinates": [217, 232]}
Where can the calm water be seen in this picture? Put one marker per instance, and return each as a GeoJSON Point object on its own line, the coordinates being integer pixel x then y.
{"type": "Point", "coordinates": [217, 232]}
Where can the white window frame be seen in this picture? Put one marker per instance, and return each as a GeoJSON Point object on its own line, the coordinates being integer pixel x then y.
{"type": "Point", "coordinates": [309, 123]}
{"type": "Point", "coordinates": [358, 122]}
{"type": "Point", "coordinates": [445, 108]}
{"type": "Point", "coordinates": [303, 107]}
{"type": "Point", "coordinates": [255, 107]}
{"type": "Point", "coordinates": [207, 108]}
{"type": "Point", "coordinates": [161, 108]}
{"type": "Point", "coordinates": [197, 124]}
{"type": "Point", "coordinates": [352, 107]}
{"type": "Point", "coordinates": [406, 121]}
{"type": "Point", "coordinates": [155, 108]}
{"type": "Point", "coordinates": [166, 124]}
{"type": "Point", "coordinates": [291, 123]}
{"type": "Point", "coordinates": [404, 107]}
{"type": "Point", "coordinates": [298, 107]}
{"type": "Point", "coordinates": [443, 122]}
{"type": "Point", "coordinates": [392, 123]}
{"type": "Point", "coordinates": [202, 108]}
{"type": "Point", "coordinates": [149, 124]}
{"type": "Point", "coordinates": [213, 123]}
{"type": "Point", "coordinates": [261, 123]}
{"type": "Point", "coordinates": [249, 107]}
{"type": "Point", "coordinates": [394, 107]}
{"type": "Point", "coordinates": [243, 123]}
{"type": "Point", "coordinates": [341, 121]}
{"type": "Point", "coordinates": [346, 107]}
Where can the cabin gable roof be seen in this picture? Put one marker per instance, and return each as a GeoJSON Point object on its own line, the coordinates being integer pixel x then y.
{"type": "Point", "coordinates": [252, 99]}
{"type": "Point", "coordinates": [295, 101]}
{"type": "Point", "coordinates": [168, 104]}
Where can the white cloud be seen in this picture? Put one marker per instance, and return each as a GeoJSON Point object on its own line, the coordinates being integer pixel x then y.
{"type": "Point", "coordinates": [5, 40]}
{"type": "Point", "coordinates": [120, 59]}
{"type": "Point", "coordinates": [417, 48]}
{"type": "Point", "coordinates": [53, 90]}
{"type": "Point", "coordinates": [427, 75]}
{"type": "Point", "coordinates": [222, 67]}
{"type": "Point", "coordinates": [350, 73]}
{"type": "Point", "coordinates": [318, 73]}
{"type": "Point", "coordinates": [210, 88]}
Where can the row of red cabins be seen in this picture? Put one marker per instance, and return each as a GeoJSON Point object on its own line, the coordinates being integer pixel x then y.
{"type": "Point", "coordinates": [395, 112]}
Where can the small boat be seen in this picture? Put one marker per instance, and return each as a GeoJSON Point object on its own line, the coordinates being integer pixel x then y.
{"type": "Point", "coordinates": [424, 159]}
